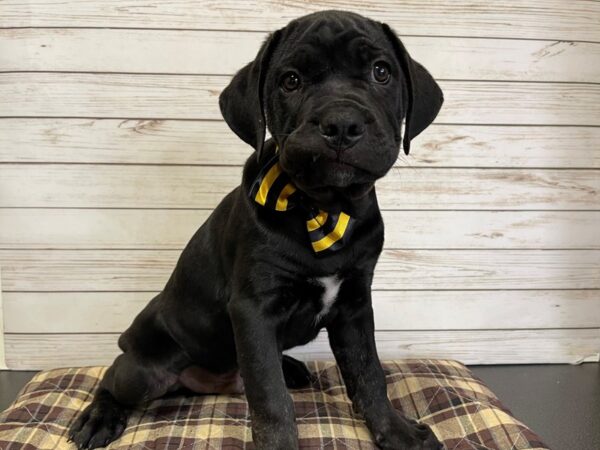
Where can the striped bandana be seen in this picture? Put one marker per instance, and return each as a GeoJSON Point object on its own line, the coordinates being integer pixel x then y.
{"type": "Point", "coordinates": [273, 189]}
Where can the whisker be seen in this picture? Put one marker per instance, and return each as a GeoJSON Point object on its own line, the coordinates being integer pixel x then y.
{"type": "Point", "coordinates": [405, 161]}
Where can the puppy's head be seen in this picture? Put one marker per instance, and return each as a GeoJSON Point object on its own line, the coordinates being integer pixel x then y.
{"type": "Point", "coordinates": [333, 88]}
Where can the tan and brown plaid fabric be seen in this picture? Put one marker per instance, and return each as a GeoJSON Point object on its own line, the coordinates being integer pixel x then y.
{"type": "Point", "coordinates": [462, 411]}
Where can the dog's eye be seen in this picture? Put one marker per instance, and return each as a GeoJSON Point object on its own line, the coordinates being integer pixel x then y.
{"type": "Point", "coordinates": [290, 81]}
{"type": "Point", "coordinates": [381, 72]}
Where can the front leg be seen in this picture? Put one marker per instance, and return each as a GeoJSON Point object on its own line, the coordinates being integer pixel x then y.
{"type": "Point", "coordinates": [259, 360]}
{"type": "Point", "coordinates": [352, 339]}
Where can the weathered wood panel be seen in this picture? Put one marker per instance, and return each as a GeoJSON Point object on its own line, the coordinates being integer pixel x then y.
{"type": "Point", "coordinates": [86, 312]}
{"type": "Point", "coordinates": [141, 141]}
{"type": "Point", "coordinates": [225, 52]}
{"type": "Point", "coordinates": [479, 347]}
{"type": "Point", "coordinates": [2, 356]}
{"type": "Point", "coordinates": [148, 270]}
{"type": "Point", "coordinates": [109, 186]}
{"type": "Point", "coordinates": [196, 97]}
{"type": "Point", "coordinates": [42, 351]}
{"type": "Point", "coordinates": [159, 229]}
{"type": "Point", "coordinates": [549, 19]}
{"type": "Point", "coordinates": [492, 221]}
{"type": "Point", "coordinates": [212, 142]}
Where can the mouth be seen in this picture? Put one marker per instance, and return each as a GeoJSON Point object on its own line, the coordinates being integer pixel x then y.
{"type": "Point", "coordinates": [332, 175]}
{"type": "Point", "coordinates": [332, 198]}
{"type": "Point", "coordinates": [326, 176]}
{"type": "Point", "coordinates": [312, 164]}
{"type": "Point", "coordinates": [327, 155]}
{"type": "Point", "coordinates": [327, 162]}
{"type": "Point", "coordinates": [339, 162]}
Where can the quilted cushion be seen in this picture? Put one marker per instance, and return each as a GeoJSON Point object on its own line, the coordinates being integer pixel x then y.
{"type": "Point", "coordinates": [462, 411]}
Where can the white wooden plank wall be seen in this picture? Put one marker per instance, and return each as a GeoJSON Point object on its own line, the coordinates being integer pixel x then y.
{"type": "Point", "coordinates": [112, 152]}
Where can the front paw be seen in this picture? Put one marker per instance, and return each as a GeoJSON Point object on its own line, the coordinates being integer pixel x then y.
{"type": "Point", "coordinates": [406, 434]}
{"type": "Point", "coordinates": [274, 435]}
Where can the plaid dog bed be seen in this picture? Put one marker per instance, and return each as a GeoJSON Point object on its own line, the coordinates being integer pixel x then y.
{"type": "Point", "coordinates": [461, 410]}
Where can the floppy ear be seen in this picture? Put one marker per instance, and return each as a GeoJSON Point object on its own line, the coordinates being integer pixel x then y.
{"type": "Point", "coordinates": [241, 102]}
{"type": "Point", "coordinates": [425, 97]}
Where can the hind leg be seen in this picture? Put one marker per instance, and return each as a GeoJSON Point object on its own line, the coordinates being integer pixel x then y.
{"type": "Point", "coordinates": [127, 383]}
{"type": "Point", "coordinates": [100, 423]}
{"type": "Point", "coordinates": [295, 373]}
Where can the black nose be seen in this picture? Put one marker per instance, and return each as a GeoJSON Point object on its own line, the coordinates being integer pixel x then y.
{"type": "Point", "coordinates": [342, 128]}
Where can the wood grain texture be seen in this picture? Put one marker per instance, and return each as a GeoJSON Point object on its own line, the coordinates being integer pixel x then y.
{"type": "Point", "coordinates": [113, 152]}
{"type": "Point", "coordinates": [549, 19]}
{"type": "Point", "coordinates": [159, 229]}
{"type": "Point", "coordinates": [2, 356]}
{"type": "Point", "coordinates": [86, 312]}
{"type": "Point", "coordinates": [44, 351]}
{"type": "Point", "coordinates": [225, 52]}
{"type": "Point", "coordinates": [111, 141]}
{"type": "Point", "coordinates": [479, 347]}
{"type": "Point", "coordinates": [196, 97]}
{"type": "Point", "coordinates": [109, 186]}
{"type": "Point", "coordinates": [148, 270]}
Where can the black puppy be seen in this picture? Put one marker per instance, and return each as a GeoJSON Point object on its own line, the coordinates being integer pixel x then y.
{"type": "Point", "coordinates": [293, 249]}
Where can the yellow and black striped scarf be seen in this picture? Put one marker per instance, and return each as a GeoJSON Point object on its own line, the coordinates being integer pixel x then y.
{"type": "Point", "coordinates": [273, 189]}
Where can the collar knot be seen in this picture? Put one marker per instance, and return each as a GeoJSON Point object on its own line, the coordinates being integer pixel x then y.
{"type": "Point", "coordinates": [274, 189]}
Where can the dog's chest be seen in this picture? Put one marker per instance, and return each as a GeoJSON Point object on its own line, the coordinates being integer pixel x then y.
{"type": "Point", "coordinates": [315, 298]}
{"type": "Point", "coordinates": [331, 288]}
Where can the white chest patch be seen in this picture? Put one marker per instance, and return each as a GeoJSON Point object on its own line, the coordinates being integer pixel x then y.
{"type": "Point", "coordinates": [331, 285]}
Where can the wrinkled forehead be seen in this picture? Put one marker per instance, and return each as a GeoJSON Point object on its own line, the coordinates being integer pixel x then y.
{"type": "Point", "coordinates": [348, 40]}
